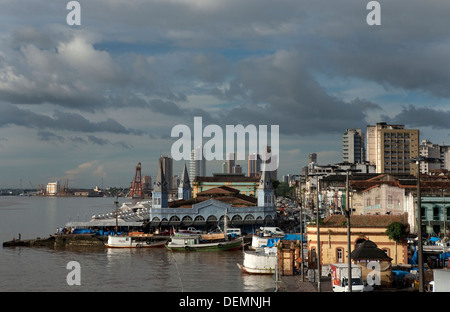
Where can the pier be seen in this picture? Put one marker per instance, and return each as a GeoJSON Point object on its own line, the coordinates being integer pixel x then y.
{"type": "Point", "coordinates": [61, 240]}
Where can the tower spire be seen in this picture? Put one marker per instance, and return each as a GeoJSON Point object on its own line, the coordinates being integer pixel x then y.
{"type": "Point", "coordinates": [266, 197]}
{"type": "Point", "coordinates": [184, 189]}
{"type": "Point", "coordinates": [160, 196]}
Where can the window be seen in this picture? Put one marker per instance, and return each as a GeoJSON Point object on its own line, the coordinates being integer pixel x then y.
{"type": "Point", "coordinates": [390, 200]}
{"type": "Point", "coordinates": [435, 213]}
{"type": "Point", "coordinates": [339, 255]}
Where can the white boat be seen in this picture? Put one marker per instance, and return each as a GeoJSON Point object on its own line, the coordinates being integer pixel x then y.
{"type": "Point", "coordinates": [134, 241]}
{"type": "Point", "coordinates": [261, 261]}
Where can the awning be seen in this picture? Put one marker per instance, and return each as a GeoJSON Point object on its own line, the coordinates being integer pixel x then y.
{"type": "Point", "coordinates": [103, 223]}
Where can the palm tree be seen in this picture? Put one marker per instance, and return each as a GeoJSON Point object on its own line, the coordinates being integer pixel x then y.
{"type": "Point", "coordinates": [396, 231]}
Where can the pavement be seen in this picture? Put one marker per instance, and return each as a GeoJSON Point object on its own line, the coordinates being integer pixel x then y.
{"type": "Point", "coordinates": [294, 283]}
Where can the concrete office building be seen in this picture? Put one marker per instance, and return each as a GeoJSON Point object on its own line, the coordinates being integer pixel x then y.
{"type": "Point", "coordinates": [254, 165]}
{"type": "Point", "coordinates": [391, 147]}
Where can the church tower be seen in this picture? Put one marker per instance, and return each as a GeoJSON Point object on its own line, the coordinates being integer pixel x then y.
{"type": "Point", "coordinates": [160, 196]}
{"type": "Point", "coordinates": [266, 195]}
{"type": "Point", "coordinates": [184, 189]}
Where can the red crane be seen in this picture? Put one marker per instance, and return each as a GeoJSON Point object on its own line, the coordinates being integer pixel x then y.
{"type": "Point", "coordinates": [136, 185]}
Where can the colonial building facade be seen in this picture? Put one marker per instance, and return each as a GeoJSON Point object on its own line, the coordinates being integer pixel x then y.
{"type": "Point", "coordinates": [333, 237]}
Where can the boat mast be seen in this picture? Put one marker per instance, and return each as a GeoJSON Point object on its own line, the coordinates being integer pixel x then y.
{"type": "Point", "coordinates": [116, 203]}
{"type": "Point", "coordinates": [225, 224]}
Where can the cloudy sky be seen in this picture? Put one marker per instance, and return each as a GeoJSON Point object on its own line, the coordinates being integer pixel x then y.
{"type": "Point", "coordinates": [87, 103]}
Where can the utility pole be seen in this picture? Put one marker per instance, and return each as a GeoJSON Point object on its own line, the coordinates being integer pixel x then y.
{"type": "Point", "coordinates": [419, 228]}
{"type": "Point", "coordinates": [297, 201]}
{"type": "Point", "coordinates": [301, 232]}
{"type": "Point", "coordinates": [349, 246]}
{"type": "Point", "coordinates": [444, 212]}
{"type": "Point", "coordinates": [318, 236]}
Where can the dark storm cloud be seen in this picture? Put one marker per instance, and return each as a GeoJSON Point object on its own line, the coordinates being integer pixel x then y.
{"type": "Point", "coordinates": [422, 117]}
{"type": "Point", "coordinates": [12, 115]}
{"type": "Point", "coordinates": [285, 93]}
{"type": "Point", "coordinates": [259, 57]}
{"type": "Point", "coordinates": [49, 137]}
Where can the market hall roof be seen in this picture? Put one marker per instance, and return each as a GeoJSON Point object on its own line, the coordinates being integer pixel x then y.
{"type": "Point", "coordinates": [222, 193]}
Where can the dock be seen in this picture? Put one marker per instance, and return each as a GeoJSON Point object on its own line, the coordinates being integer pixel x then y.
{"type": "Point", "coordinates": [59, 240]}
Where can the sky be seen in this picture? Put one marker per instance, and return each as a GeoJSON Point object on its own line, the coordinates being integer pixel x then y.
{"type": "Point", "coordinates": [86, 103]}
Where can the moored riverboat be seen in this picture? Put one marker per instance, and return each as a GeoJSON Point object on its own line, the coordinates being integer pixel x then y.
{"type": "Point", "coordinates": [134, 240]}
{"type": "Point", "coordinates": [207, 242]}
{"type": "Point", "coordinates": [261, 261]}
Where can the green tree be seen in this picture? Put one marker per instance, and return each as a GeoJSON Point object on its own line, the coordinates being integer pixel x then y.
{"type": "Point", "coordinates": [396, 231]}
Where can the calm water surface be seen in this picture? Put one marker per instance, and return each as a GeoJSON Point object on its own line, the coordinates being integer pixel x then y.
{"type": "Point", "coordinates": [44, 269]}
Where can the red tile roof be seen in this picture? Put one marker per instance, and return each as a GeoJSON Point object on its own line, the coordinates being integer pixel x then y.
{"type": "Point", "coordinates": [377, 221]}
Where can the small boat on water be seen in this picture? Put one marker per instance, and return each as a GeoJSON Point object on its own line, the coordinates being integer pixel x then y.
{"type": "Point", "coordinates": [204, 242]}
{"type": "Point", "coordinates": [134, 240]}
{"type": "Point", "coordinates": [261, 261]}
{"type": "Point", "coordinates": [263, 256]}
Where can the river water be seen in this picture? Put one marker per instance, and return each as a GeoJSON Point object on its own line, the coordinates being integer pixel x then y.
{"type": "Point", "coordinates": [24, 269]}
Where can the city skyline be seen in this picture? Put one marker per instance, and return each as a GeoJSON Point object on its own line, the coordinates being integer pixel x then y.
{"type": "Point", "coordinates": [87, 103]}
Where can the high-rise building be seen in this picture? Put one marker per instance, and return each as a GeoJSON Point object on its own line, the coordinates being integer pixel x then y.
{"type": "Point", "coordinates": [353, 149]}
{"type": "Point", "coordinates": [312, 158]}
{"type": "Point", "coordinates": [197, 165]}
{"type": "Point", "coordinates": [391, 147]}
{"type": "Point", "coordinates": [271, 159]}
{"type": "Point", "coordinates": [167, 165]}
{"type": "Point", "coordinates": [439, 152]}
{"type": "Point", "coordinates": [254, 165]}
{"type": "Point", "coordinates": [224, 167]}
{"type": "Point", "coordinates": [231, 162]}
{"type": "Point", "coordinates": [147, 185]}
{"type": "Point", "coordinates": [237, 169]}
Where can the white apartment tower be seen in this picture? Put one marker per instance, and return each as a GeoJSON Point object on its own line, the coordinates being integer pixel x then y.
{"type": "Point", "coordinates": [353, 147]}
{"type": "Point", "coordinates": [197, 165]}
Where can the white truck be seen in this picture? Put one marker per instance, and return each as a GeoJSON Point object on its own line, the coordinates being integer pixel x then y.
{"type": "Point", "coordinates": [190, 230]}
{"type": "Point", "coordinates": [441, 280]}
{"type": "Point", "coordinates": [339, 278]}
{"type": "Point", "coordinates": [271, 230]}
